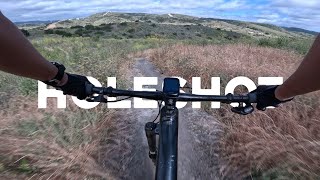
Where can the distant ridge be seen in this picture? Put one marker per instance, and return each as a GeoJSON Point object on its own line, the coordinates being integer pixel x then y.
{"type": "Point", "coordinates": [34, 22]}
{"type": "Point", "coordinates": [293, 29]}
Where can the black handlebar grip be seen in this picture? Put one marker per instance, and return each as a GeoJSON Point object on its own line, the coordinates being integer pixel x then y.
{"type": "Point", "coordinates": [88, 89]}
{"type": "Point", "coordinates": [253, 97]}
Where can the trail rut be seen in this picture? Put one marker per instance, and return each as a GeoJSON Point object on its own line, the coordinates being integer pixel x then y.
{"type": "Point", "coordinates": [197, 158]}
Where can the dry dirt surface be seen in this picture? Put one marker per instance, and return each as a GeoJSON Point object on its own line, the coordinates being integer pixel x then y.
{"type": "Point", "coordinates": [195, 129]}
{"type": "Point", "coordinates": [51, 26]}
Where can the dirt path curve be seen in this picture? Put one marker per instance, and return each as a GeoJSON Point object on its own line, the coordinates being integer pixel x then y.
{"type": "Point", "coordinates": [197, 133]}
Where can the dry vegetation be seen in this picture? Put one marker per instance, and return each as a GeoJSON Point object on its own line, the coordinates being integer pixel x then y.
{"type": "Point", "coordinates": [69, 143]}
{"type": "Point", "coordinates": [278, 143]}
{"type": "Point", "coordinates": [51, 143]}
{"type": "Point", "coordinates": [74, 144]}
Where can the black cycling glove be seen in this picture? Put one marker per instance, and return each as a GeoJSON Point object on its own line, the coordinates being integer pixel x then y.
{"type": "Point", "coordinates": [76, 86]}
{"type": "Point", "coordinates": [266, 97]}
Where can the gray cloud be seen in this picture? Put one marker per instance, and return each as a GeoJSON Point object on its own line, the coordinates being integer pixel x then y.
{"type": "Point", "coordinates": [297, 13]}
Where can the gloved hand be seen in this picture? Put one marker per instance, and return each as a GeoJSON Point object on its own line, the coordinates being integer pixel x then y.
{"type": "Point", "coordinates": [75, 86]}
{"type": "Point", "coordinates": [266, 97]}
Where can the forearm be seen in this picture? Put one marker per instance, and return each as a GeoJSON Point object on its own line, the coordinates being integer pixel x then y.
{"type": "Point", "coordinates": [306, 78]}
{"type": "Point", "coordinates": [18, 56]}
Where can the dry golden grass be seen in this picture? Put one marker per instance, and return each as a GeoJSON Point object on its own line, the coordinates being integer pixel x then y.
{"type": "Point", "coordinates": [47, 144]}
{"type": "Point", "coordinates": [71, 143]}
{"type": "Point", "coordinates": [282, 142]}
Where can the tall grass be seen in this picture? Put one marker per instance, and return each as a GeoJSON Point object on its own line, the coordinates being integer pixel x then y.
{"type": "Point", "coordinates": [74, 143]}
{"type": "Point", "coordinates": [299, 45]}
{"type": "Point", "coordinates": [69, 143]}
{"type": "Point", "coordinates": [279, 143]}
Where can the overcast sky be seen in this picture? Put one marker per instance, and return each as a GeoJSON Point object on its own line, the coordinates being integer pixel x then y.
{"type": "Point", "coordinates": [297, 13]}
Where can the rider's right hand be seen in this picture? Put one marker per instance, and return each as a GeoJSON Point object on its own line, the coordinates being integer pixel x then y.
{"type": "Point", "coordinates": [266, 97]}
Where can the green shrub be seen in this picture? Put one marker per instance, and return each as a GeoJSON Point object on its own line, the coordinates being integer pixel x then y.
{"type": "Point", "coordinates": [131, 30]}
{"type": "Point", "coordinates": [123, 24]}
{"type": "Point", "coordinates": [87, 32]}
{"type": "Point", "coordinates": [25, 32]}
{"type": "Point", "coordinates": [274, 42]}
{"type": "Point", "coordinates": [97, 28]}
{"type": "Point", "coordinates": [106, 27]}
{"type": "Point", "coordinates": [49, 31]}
{"type": "Point", "coordinates": [160, 19]}
{"type": "Point", "coordinates": [24, 167]}
{"type": "Point", "coordinates": [63, 33]}
{"type": "Point", "coordinates": [89, 27]}
{"type": "Point", "coordinates": [79, 32]}
{"type": "Point", "coordinates": [228, 37]}
{"type": "Point", "coordinates": [76, 27]}
{"type": "Point", "coordinates": [300, 46]}
{"type": "Point", "coordinates": [99, 33]}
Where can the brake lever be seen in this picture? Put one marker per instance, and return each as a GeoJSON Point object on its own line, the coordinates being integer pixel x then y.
{"type": "Point", "coordinates": [99, 98]}
{"type": "Point", "coordinates": [248, 109]}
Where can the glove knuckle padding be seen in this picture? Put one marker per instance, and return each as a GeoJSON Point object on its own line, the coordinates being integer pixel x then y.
{"type": "Point", "coordinates": [75, 86]}
{"type": "Point", "coordinates": [266, 97]}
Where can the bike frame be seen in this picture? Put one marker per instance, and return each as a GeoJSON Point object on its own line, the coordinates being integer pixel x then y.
{"type": "Point", "coordinates": [167, 157]}
{"type": "Point", "coordinates": [166, 154]}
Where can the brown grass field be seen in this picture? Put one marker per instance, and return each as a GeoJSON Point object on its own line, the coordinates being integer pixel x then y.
{"type": "Point", "coordinates": [66, 143]}
{"type": "Point", "coordinates": [281, 142]}
{"type": "Point", "coordinates": [72, 143]}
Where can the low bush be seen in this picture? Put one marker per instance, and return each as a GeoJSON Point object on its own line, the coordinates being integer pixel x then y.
{"type": "Point", "coordinates": [25, 32]}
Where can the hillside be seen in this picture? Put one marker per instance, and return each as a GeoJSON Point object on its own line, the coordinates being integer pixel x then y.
{"type": "Point", "coordinates": [245, 28]}
{"type": "Point", "coordinates": [33, 24]}
{"type": "Point", "coordinates": [174, 27]}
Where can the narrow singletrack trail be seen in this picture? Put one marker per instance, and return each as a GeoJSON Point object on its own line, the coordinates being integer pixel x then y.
{"type": "Point", "coordinates": [197, 130]}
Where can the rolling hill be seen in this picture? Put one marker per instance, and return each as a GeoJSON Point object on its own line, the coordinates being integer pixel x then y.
{"type": "Point", "coordinates": [245, 28]}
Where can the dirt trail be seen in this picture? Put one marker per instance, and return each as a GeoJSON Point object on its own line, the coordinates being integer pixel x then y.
{"type": "Point", "coordinates": [197, 130]}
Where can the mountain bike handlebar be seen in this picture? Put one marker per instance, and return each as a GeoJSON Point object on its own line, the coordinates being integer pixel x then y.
{"type": "Point", "coordinates": [159, 95]}
{"type": "Point", "coordinates": [164, 151]}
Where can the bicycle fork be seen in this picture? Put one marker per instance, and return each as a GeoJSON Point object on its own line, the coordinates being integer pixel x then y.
{"type": "Point", "coordinates": [152, 130]}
